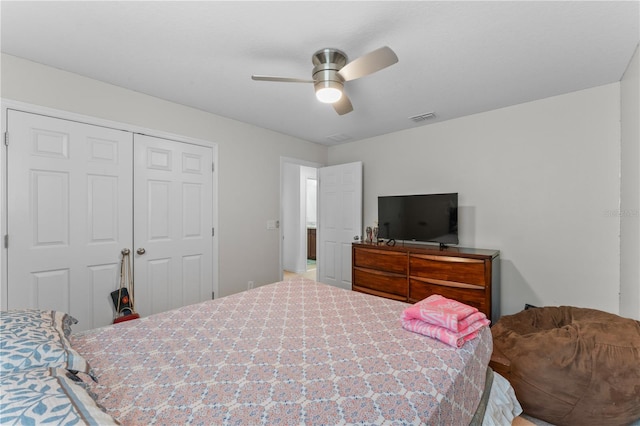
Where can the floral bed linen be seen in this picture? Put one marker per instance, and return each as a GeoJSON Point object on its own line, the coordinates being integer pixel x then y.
{"type": "Point", "coordinates": [294, 352]}
{"type": "Point", "coordinates": [33, 339]}
{"type": "Point", "coordinates": [47, 396]}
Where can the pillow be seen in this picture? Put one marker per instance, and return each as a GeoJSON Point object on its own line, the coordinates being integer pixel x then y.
{"type": "Point", "coordinates": [35, 339]}
{"type": "Point", "coordinates": [41, 396]}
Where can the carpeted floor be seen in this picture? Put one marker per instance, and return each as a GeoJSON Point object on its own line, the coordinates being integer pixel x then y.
{"type": "Point", "coordinates": [310, 275]}
{"type": "Point", "coordinates": [524, 420]}
{"type": "Point", "coordinates": [521, 421]}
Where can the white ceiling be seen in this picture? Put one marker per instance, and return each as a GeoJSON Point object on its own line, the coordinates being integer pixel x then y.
{"type": "Point", "coordinates": [455, 58]}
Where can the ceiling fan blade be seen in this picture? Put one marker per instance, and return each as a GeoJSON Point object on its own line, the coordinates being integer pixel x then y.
{"type": "Point", "coordinates": [343, 106]}
{"type": "Point", "coordinates": [280, 79]}
{"type": "Point", "coordinates": [369, 63]}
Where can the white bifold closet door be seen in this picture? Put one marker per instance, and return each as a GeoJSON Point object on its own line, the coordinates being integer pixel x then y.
{"type": "Point", "coordinates": [173, 224]}
{"type": "Point", "coordinates": [69, 215]}
{"type": "Point", "coordinates": [72, 204]}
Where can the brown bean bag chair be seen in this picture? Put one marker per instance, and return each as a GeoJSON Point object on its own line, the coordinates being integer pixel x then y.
{"type": "Point", "coordinates": [572, 366]}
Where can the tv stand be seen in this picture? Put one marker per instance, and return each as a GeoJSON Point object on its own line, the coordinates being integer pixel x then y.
{"type": "Point", "coordinates": [412, 272]}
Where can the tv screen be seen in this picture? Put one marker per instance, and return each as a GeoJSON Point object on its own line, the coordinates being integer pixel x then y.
{"type": "Point", "coordinates": [426, 218]}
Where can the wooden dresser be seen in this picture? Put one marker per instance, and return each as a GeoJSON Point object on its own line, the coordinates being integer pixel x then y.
{"type": "Point", "coordinates": [412, 272]}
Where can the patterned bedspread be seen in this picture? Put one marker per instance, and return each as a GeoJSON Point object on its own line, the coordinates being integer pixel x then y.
{"type": "Point", "coordinates": [294, 352]}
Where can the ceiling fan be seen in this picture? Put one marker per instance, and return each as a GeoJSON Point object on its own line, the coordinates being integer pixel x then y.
{"type": "Point", "coordinates": [331, 71]}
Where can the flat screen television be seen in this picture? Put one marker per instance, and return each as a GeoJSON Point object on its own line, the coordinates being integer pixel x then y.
{"type": "Point", "coordinates": [423, 218]}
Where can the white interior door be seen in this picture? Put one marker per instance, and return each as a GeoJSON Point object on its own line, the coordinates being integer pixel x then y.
{"type": "Point", "coordinates": [68, 215]}
{"type": "Point", "coordinates": [173, 242]}
{"type": "Point", "coordinates": [339, 221]}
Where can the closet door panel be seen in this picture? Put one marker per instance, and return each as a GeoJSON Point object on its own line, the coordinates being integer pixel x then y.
{"type": "Point", "coordinates": [68, 215]}
{"type": "Point", "coordinates": [173, 204]}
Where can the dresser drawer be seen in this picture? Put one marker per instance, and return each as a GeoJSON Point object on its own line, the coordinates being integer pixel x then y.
{"type": "Point", "coordinates": [446, 268]}
{"type": "Point", "coordinates": [476, 297]}
{"type": "Point", "coordinates": [382, 260]}
{"type": "Point", "coordinates": [378, 282]}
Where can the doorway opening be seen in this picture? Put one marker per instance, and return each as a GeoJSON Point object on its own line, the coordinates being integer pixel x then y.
{"type": "Point", "coordinates": [298, 219]}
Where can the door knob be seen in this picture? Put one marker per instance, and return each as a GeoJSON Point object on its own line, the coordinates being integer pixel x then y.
{"type": "Point", "coordinates": [141, 251]}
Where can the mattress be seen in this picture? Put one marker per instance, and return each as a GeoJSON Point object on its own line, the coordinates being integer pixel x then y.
{"type": "Point", "coordinates": [293, 352]}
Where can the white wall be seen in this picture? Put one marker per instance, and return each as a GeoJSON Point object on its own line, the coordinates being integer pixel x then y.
{"type": "Point", "coordinates": [538, 181]}
{"type": "Point", "coordinates": [291, 226]}
{"type": "Point", "coordinates": [630, 191]}
{"type": "Point", "coordinates": [306, 173]}
{"type": "Point", "coordinates": [312, 201]}
{"type": "Point", "coordinates": [294, 216]}
{"type": "Point", "coordinates": [248, 169]}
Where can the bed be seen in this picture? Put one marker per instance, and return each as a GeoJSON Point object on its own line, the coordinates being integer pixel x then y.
{"type": "Point", "coordinates": [293, 352]}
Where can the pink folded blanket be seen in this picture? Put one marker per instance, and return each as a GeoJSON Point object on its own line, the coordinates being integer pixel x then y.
{"type": "Point", "coordinates": [447, 313]}
{"type": "Point", "coordinates": [451, 338]}
{"type": "Point", "coordinates": [447, 320]}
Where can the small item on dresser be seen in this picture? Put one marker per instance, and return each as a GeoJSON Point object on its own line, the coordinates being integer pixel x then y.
{"type": "Point", "coordinates": [447, 320]}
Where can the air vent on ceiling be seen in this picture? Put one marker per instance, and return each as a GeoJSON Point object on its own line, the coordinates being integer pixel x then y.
{"type": "Point", "coordinates": [422, 117]}
{"type": "Point", "coordinates": [339, 137]}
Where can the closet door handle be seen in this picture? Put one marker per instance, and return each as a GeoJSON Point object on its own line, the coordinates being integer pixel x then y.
{"type": "Point", "coordinates": [141, 251]}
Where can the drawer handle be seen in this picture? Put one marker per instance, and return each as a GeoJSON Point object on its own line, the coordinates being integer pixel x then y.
{"type": "Point", "coordinates": [446, 259]}
{"type": "Point", "coordinates": [448, 283]}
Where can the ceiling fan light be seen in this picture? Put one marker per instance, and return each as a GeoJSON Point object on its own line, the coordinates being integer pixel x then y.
{"type": "Point", "coordinates": [328, 92]}
{"type": "Point", "coordinates": [328, 95]}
